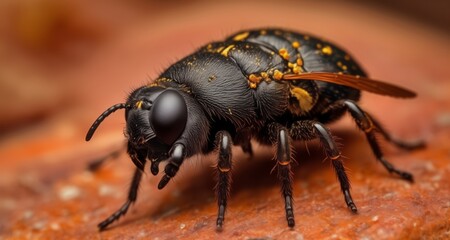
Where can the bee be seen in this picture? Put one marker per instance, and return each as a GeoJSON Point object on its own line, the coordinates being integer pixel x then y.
{"type": "Point", "coordinates": [272, 86]}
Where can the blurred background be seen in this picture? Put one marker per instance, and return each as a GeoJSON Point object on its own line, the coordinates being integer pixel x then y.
{"type": "Point", "coordinates": [46, 43]}
{"type": "Point", "coordinates": [63, 62]}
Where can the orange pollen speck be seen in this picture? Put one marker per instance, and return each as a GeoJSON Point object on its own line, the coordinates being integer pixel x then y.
{"type": "Point", "coordinates": [295, 44]}
{"type": "Point", "coordinates": [253, 78]}
{"type": "Point", "coordinates": [277, 75]}
{"type": "Point", "coordinates": [252, 85]}
{"type": "Point", "coordinates": [284, 53]}
{"type": "Point", "coordinates": [299, 61]}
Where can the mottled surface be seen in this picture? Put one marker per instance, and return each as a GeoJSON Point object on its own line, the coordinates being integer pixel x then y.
{"type": "Point", "coordinates": [45, 192]}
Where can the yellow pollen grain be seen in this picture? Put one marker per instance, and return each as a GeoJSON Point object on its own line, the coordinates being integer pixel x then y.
{"type": "Point", "coordinates": [299, 61]}
{"type": "Point", "coordinates": [327, 50]}
{"type": "Point", "coordinates": [252, 85]}
{"type": "Point", "coordinates": [344, 67]}
{"type": "Point", "coordinates": [220, 49]}
{"type": "Point", "coordinates": [241, 36]}
{"type": "Point", "coordinates": [319, 45]}
{"type": "Point", "coordinates": [291, 65]}
{"type": "Point", "coordinates": [295, 44]}
{"type": "Point", "coordinates": [339, 64]}
{"type": "Point", "coordinates": [277, 75]}
{"type": "Point", "coordinates": [226, 50]}
{"type": "Point", "coordinates": [139, 104]}
{"type": "Point", "coordinates": [284, 53]}
{"type": "Point", "coordinates": [296, 69]}
{"type": "Point", "coordinates": [304, 98]}
{"type": "Point", "coordinates": [264, 75]}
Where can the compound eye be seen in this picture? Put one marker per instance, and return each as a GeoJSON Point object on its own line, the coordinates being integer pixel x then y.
{"type": "Point", "coordinates": [168, 116]}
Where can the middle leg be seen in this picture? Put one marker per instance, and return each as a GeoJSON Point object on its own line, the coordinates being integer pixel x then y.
{"type": "Point", "coordinates": [280, 136]}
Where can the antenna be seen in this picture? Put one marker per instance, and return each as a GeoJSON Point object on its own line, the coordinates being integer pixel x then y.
{"type": "Point", "coordinates": [102, 117]}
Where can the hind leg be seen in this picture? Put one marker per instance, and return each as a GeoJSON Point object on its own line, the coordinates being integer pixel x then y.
{"type": "Point", "coordinates": [397, 142]}
{"type": "Point", "coordinates": [370, 127]}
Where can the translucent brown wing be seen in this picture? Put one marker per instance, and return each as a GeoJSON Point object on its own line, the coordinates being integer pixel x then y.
{"type": "Point", "coordinates": [357, 82]}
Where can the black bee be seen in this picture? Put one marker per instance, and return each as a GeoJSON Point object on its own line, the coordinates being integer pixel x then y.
{"type": "Point", "coordinates": [270, 85]}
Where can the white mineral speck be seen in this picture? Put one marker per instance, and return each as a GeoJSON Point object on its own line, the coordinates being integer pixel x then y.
{"type": "Point", "coordinates": [55, 226]}
{"type": "Point", "coordinates": [27, 214]}
{"type": "Point", "coordinates": [39, 225]}
{"type": "Point", "coordinates": [182, 226]}
{"type": "Point", "coordinates": [375, 218]}
{"type": "Point", "coordinates": [69, 192]}
{"type": "Point", "coordinates": [106, 190]}
{"type": "Point", "coordinates": [142, 234]}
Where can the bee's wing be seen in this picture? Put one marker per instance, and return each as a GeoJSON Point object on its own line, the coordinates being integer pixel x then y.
{"type": "Point", "coordinates": [357, 82]}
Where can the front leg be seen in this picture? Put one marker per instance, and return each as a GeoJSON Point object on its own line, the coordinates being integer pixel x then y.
{"type": "Point", "coordinates": [223, 143]}
{"type": "Point", "coordinates": [138, 157]}
{"type": "Point", "coordinates": [132, 196]}
{"type": "Point", "coordinates": [177, 155]}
